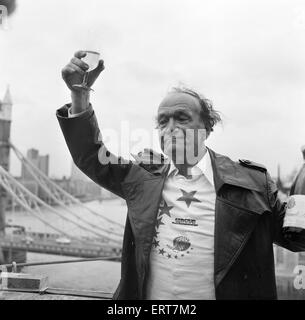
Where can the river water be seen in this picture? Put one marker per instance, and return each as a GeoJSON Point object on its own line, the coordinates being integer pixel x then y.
{"type": "Point", "coordinates": [95, 275]}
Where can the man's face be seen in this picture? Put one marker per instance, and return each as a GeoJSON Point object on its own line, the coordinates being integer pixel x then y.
{"type": "Point", "coordinates": [182, 132]}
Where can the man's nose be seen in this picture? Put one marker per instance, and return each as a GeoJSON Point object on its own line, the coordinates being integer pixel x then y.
{"type": "Point", "coordinates": [171, 125]}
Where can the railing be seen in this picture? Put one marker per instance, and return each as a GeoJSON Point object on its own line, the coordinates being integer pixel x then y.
{"type": "Point", "coordinates": [63, 291]}
{"type": "Point", "coordinates": [49, 246]}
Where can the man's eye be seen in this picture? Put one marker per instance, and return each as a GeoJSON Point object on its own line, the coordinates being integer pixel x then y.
{"type": "Point", "coordinates": [183, 118]}
{"type": "Point", "coordinates": [162, 122]}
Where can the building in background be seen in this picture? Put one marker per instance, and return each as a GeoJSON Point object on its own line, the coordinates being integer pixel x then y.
{"type": "Point", "coordinates": [78, 184]}
{"type": "Point", "coordinates": [84, 188]}
{"type": "Point", "coordinates": [5, 129]}
{"type": "Point", "coordinates": [42, 163]}
{"type": "Point", "coordinates": [39, 161]}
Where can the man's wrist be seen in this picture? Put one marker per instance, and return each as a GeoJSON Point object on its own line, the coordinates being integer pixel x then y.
{"type": "Point", "coordinates": [80, 101]}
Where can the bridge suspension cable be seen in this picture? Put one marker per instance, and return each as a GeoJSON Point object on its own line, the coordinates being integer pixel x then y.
{"type": "Point", "coordinates": [59, 195]}
{"type": "Point", "coordinates": [56, 198]}
{"type": "Point", "coordinates": [30, 201]}
{"type": "Point", "coordinates": [13, 192]}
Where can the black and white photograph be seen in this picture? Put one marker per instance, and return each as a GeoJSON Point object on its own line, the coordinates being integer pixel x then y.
{"type": "Point", "coordinates": [152, 150]}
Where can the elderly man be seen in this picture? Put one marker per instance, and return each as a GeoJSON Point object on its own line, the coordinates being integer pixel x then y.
{"type": "Point", "coordinates": [199, 226]}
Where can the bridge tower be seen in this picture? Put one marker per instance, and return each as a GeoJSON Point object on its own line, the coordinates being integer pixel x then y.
{"type": "Point", "coordinates": [5, 128]}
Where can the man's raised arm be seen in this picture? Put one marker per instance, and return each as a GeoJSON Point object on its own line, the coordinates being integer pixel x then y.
{"type": "Point", "coordinates": [81, 131]}
{"type": "Point", "coordinates": [73, 73]}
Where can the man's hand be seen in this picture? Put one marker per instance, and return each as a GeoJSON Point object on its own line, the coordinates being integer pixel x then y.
{"type": "Point", "coordinates": [74, 71]}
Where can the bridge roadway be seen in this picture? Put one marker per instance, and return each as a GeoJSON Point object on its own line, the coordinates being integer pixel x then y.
{"type": "Point", "coordinates": [50, 246]}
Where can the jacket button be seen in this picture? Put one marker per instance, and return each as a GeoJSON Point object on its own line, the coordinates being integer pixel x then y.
{"type": "Point", "coordinates": [245, 276]}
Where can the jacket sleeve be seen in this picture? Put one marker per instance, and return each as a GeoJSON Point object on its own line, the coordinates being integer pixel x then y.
{"type": "Point", "coordinates": [278, 208]}
{"type": "Point", "coordinates": [88, 151]}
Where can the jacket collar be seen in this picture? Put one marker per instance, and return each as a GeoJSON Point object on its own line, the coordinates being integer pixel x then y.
{"type": "Point", "coordinates": [204, 166]}
{"type": "Point", "coordinates": [227, 171]}
{"type": "Point", "coordinates": [224, 171]}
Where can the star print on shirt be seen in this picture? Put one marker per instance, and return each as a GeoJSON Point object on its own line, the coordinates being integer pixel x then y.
{"type": "Point", "coordinates": [155, 243]}
{"type": "Point", "coordinates": [161, 251]}
{"type": "Point", "coordinates": [165, 209]}
{"type": "Point", "coordinates": [188, 197]}
{"type": "Point", "coordinates": [159, 222]}
{"type": "Point", "coordinates": [155, 233]}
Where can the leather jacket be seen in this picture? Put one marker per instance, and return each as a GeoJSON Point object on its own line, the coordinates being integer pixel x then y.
{"type": "Point", "coordinates": [248, 214]}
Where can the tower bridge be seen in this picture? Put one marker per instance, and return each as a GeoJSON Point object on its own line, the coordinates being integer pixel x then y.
{"type": "Point", "coordinates": [82, 233]}
{"type": "Point", "coordinates": [49, 245]}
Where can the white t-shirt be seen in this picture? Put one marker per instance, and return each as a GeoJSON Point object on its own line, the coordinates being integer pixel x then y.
{"type": "Point", "coordinates": [182, 255]}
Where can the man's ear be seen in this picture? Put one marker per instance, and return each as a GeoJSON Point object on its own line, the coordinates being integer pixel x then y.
{"type": "Point", "coordinates": [207, 133]}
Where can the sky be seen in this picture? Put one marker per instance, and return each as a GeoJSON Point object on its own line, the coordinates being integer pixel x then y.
{"type": "Point", "coordinates": [248, 57]}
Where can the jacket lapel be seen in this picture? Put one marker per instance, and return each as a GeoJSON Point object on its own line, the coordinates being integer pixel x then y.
{"type": "Point", "coordinates": [234, 222]}
{"type": "Point", "coordinates": [143, 196]}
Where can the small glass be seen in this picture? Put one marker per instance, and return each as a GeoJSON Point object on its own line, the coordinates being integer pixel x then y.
{"type": "Point", "coordinates": [92, 59]}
